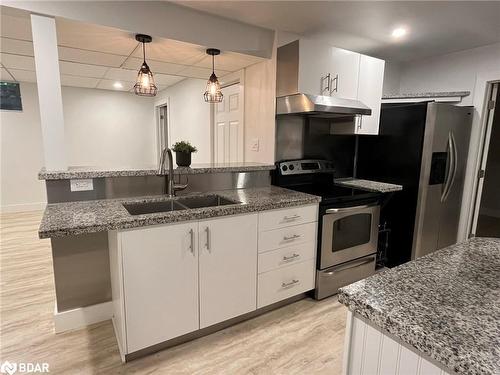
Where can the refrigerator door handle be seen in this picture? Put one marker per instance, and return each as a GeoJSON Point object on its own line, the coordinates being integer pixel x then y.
{"type": "Point", "coordinates": [453, 165]}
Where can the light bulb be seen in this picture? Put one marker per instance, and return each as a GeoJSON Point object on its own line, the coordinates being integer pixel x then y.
{"type": "Point", "coordinates": [145, 80]}
{"type": "Point", "coordinates": [399, 32]}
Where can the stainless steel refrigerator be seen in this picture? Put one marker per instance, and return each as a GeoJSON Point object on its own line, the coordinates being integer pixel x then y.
{"type": "Point", "coordinates": [422, 146]}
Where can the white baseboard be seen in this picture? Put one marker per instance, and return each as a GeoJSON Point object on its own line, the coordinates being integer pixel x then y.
{"type": "Point", "coordinates": [82, 317]}
{"type": "Point", "coordinates": [24, 207]}
{"type": "Point", "coordinates": [489, 212]}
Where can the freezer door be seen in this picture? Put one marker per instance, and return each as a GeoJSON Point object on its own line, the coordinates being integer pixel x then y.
{"type": "Point", "coordinates": [444, 161]}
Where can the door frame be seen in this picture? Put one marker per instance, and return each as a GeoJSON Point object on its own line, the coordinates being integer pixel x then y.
{"type": "Point", "coordinates": [235, 78]}
{"type": "Point", "coordinates": [482, 91]}
{"type": "Point", "coordinates": [164, 102]}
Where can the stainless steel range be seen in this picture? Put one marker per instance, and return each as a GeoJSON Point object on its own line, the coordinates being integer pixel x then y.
{"type": "Point", "coordinates": [348, 223]}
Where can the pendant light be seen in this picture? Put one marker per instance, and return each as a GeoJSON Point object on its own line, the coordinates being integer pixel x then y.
{"type": "Point", "coordinates": [213, 94]}
{"type": "Point", "coordinates": [145, 84]}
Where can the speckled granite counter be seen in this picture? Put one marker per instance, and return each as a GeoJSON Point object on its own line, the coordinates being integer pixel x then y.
{"type": "Point", "coordinates": [446, 305]}
{"type": "Point", "coordinates": [379, 187]}
{"type": "Point", "coordinates": [440, 94]}
{"type": "Point", "coordinates": [72, 218]}
{"type": "Point", "coordinates": [150, 170]}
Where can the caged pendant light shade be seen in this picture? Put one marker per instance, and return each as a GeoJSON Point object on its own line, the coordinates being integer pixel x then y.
{"type": "Point", "coordinates": [213, 93]}
{"type": "Point", "coordinates": [145, 83]}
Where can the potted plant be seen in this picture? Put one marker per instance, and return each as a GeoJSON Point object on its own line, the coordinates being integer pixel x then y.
{"type": "Point", "coordinates": [183, 152]}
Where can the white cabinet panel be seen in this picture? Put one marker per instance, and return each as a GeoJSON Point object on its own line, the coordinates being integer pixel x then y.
{"type": "Point", "coordinates": [344, 73]}
{"type": "Point", "coordinates": [427, 368]}
{"type": "Point", "coordinates": [293, 235]}
{"type": "Point", "coordinates": [408, 362]}
{"type": "Point", "coordinates": [287, 216]}
{"type": "Point", "coordinates": [371, 80]}
{"type": "Point", "coordinates": [314, 65]}
{"type": "Point", "coordinates": [389, 356]}
{"type": "Point", "coordinates": [227, 267]}
{"type": "Point", "coordinates": [373, 339]}
{"type": "Point", "coordinates": [160, 281]}
{"type": "Point", "coordinates": [285, 282]}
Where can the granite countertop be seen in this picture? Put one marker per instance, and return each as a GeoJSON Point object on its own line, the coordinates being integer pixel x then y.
{"type": "Point", "coordinates": [73, 218]}
{"type": "Point", "coordinates": [150, 170]}
{"type": "Point", "coordinates": [446, 304]}
{"type": "Point", "coordinates": [440, 94]}
{"type": "Point", "coordinates": [379, 187]}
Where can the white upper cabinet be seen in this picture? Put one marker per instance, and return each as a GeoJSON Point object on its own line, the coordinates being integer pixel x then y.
{"type": "Point", "coordinates": [228, 268]}
{"type": "Point", "coordinates": [314, 66]}
{"type": "Point", "coordinates": [371, 80]}
{"type": "Point", "coordinates": [344, 73]}
{"type": "Point", "coordinates": [160, 283]}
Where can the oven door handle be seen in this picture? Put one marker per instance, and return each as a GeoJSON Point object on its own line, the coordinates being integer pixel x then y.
{"type": "Point", "coordinates": [351, 264]}
{"type": "Point", "coordinates": [347, 209]}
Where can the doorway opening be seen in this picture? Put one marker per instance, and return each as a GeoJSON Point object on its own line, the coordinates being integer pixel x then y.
{"type": "Point", "coordinates": [486, 221]}
{"type": "Point", "coordinates": [162, 132]}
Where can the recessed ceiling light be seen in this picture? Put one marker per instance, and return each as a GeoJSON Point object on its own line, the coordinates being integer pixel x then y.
{"type": "Point", "coordinates": [399, 32]}
{"type": "Point", "coordinates": [118, 85]}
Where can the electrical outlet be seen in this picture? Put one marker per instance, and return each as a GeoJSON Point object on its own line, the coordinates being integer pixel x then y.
{"type": "Point", "coordinates": [82, 184]}
{"type": "Point", "coordinates": [254, 146]}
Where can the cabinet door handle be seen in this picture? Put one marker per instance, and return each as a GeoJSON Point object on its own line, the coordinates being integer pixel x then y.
{"type": "Point", "coordinates": [290, 257]}
{"type": "Point", "coordinates": [289, 284]}
{"type": "Point", "coordinates": [207, 244]}
{"type": "Point", "coordinates": [336, 88]}
{"type": "Point", "coordinates": [328, 80]}
{"type": "Point", "coordinates": [191, 237]}
{"type": "Point", "coordinates": [291, 238]}
{"type": "Point", "coordinates": [291, 217]}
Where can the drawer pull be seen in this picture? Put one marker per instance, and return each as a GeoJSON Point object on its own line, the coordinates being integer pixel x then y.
{"type": "Point", "coordinates": [290, 257]}
{"type": "Point", "coordinates": [291, 218]}
{"type": "Point", "coordinates": [291, 238]}
{"type": "Point", "coordinates": [289, 284]}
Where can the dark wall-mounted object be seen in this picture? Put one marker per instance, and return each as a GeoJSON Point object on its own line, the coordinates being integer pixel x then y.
{"type": "Point", "coordinates": [10, 96]}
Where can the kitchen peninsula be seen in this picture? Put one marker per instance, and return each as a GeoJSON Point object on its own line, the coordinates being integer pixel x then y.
{"type": "Point", "coordinates": [435, 315]}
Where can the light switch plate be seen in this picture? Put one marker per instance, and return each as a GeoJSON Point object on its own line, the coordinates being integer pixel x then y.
{"type": "Point", "coordinates": [82, 184]}
{"type": "Point", "coordinates": [254, 146]}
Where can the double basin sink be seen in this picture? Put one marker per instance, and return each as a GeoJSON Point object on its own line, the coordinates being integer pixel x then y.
{"type": "Point", "coordinates": [177, 204]}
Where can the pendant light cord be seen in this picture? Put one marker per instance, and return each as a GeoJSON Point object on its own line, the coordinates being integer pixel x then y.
{"type": "Point", "coordinates": [143, 52]}
{"type": "Point", "coordinates": [213, 64]}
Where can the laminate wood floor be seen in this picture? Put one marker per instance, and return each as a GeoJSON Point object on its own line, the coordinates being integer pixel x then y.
{"type": "Point", "coordinates": [302, 338]}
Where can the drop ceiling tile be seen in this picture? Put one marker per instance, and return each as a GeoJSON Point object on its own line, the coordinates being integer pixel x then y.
{"type": "Point", "coordinates": [107, 84]}
{"type": "Point", "coordinates": [89, 57]}
{"type": "Point", "coordinates": [198, 72]}
{"type": "Point", "coordinates": [94, 37]}
{"type": "Point", "coordinates": [14, 26]}
{"type": "Point", "coordinates": [23, 75]}
{"type": "Point", "coordinates": [74, 81]}
{"type": "Point", "coordinates": [121, 74]}
{"type": "Point", "coordinates": [5, 76]}
{"type": "Point", "coordinates": [167, 80]}
{"type": "Point", "coordinates": [173, 51]}
{"type": "Point", "coordinates": [155, 66]}
{"type": "Point", "coordinates": [16, 46]}
{"type": "Point", "coordinates": [18, 62]}
{"type": "Point", "coordinates": [82, 70]}
{"type": "Point", "coordinates": [229, 61]}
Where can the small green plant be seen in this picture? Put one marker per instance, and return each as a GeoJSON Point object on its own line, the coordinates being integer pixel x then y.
{"type": "Point", "coordinates": [183, 146]}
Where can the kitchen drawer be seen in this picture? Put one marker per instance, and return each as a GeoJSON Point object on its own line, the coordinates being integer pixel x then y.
{"type": "Point", "coordinates": [280, 284]}
{"type": "Point", "coordinates": [275, 219]}
{"type": "Point", "coordinates": [293, 235]}
{"type": "Point", "coordinates": [286, 256]}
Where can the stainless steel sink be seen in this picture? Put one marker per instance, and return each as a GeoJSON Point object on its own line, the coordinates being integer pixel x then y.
{"type": "Point", "coordinates": [205, 201]}
{"type": "Point", "coordinates": [184, 203]}
{"type": "Point", "coordinates": [153, 207]}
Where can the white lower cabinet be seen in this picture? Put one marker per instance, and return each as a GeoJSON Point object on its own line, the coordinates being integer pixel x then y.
{"type": "Point", "coordinates": [228, 268]}
{"type": "Point", "coordinates": [160, 283]}
{"type": "Point", "coordinates": [170, 280]}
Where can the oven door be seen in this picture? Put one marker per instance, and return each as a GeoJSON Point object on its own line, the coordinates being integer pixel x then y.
{"type": "Point", "coordinates": [348, 233]}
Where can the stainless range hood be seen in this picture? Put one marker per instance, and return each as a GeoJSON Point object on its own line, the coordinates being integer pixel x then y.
{"type": "Point", "coordinates": [319, 106]}
{"type": "Point", "coordinates": [298, 81]}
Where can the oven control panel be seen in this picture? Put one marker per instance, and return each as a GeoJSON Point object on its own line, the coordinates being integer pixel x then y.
{"type": "Point", "coordinates": [291, 167]}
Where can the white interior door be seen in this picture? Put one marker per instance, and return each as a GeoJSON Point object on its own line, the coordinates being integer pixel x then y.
{"type": "Point", "coordinates": [229, 131]}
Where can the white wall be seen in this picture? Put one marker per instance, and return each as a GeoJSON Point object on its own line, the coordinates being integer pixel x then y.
{"type": "Point", "coordinates": [189, 116]}
{"type": "Point", "coordinates": [103, 128]}
{"type": "Point", "coordinates": [451, 72]}
{"type": "Point", "coordinates": [392, 78]}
